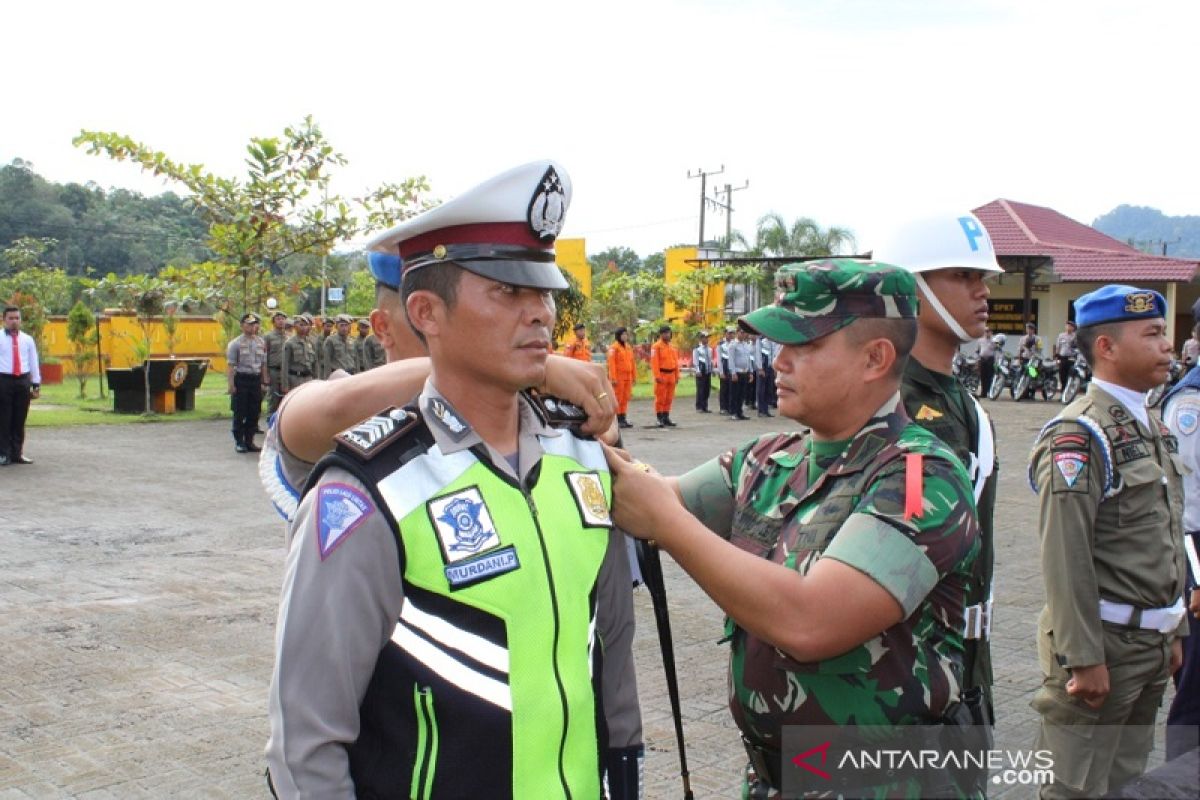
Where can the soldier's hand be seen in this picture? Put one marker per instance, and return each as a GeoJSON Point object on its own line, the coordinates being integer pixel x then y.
{"type": "Point", "coordinates": [586, 385]}
{"type": "Point", "coordinates": [1176, 655]}
{"type": "Point", "coordinates": [1089, 684]}
{"type": "Point", "coordinates": [643, 500]}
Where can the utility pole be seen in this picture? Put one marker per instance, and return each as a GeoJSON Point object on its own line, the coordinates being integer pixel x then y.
{"type": "Point", "coordinates": [703, 176]}
{"type": "Point", "coordinates": [728, 206]}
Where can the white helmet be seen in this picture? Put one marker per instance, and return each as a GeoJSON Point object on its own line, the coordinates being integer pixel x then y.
{"type": "Point", "coordinates": [999, 339]}
{"type": "Point", "coordinates": [939, 242]}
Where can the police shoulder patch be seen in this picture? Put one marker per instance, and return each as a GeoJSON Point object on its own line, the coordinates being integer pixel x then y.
{"type": "Point", "coordinates": [371, 436]}
{"type": "Point", "coordinates": [340, 510]}
{"type": "Point", "coordinates": [590, 499]}
{"type": "Point", "coordinates": [1187, 416]}
{"type": "Point", "coordinates": [1070, 465]}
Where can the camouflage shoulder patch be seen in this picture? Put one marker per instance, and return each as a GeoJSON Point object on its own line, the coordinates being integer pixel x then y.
{"type": "Point", "coordinates": [371, 436]}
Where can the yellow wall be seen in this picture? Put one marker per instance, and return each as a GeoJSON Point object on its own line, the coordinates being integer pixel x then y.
{"type": "Point", "coordinates": [195, 337]}
{"type": "Point", "coordinates": [571, 255]}
{"type": "Point", "coordinates": [713, 302]}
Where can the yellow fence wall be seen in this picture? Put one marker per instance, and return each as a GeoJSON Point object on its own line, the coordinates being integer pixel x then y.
{"type": "Point", "coordinates": [196, 337]}
{"type": "Point", "coordinates": [712, 303]}
{"type": "Point", "coordinates": [571, 255]}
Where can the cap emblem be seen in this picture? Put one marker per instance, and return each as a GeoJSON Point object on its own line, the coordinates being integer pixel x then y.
{"type": "Point", "coordinates": [439, 251]}
{"type": "Point", "coordinates": [1139, 303]}
{"type": "Point", "coordinates": [548, 206]}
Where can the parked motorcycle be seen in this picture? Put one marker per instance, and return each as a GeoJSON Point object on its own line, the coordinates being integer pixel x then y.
{"type": "Point", "coordinates": [966, 369]}
{"type": "Point", "coordinates": [1077, 379]}
{"type": "Point", "coordinates": [1174, 375]}
{"type": "Point", "coordinates": [1039, 374]}
{"type": "Point", "coordinates": [1002, 375]}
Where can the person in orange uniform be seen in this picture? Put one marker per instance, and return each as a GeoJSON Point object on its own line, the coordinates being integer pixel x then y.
{"type": "Point", "coordinates": [621, 372]}
{"type": "Point", "coordinates": [581, 348]}
{"type": "Point", "coordinates": [664, 364]}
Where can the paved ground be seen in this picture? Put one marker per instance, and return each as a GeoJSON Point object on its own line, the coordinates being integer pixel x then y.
{"type": "Point", "coordinates": [139, 575]}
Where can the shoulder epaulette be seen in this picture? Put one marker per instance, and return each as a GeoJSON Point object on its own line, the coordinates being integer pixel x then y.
{"type": "Point", "coordinates": [372, 436]}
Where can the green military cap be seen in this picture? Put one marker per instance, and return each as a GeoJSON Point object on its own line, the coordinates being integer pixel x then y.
{"type": "Point", "coordinates": [305, 318]}
{"type": "Point", "coordinates": [816, 298]}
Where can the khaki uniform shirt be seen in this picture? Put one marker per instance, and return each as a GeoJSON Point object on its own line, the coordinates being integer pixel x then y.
{"type": "Point", "coordinates": [339, 354]}
{"type": "Point", "coordinates": [373, 354]}
{"type": "Point", "coordinates": [1117, 538]}
{"type": "Point", "coordinates": [298, 362]}
{"type": "Point", "coordinates": [274, 342]}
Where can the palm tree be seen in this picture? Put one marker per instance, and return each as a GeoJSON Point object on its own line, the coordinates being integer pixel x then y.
{"type": "Point", "coordinates": [804, 237]}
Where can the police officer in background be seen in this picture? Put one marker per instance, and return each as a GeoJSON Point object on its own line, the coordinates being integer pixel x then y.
{"type": "Point", "coordinates": [702, 368]}
{"type": "Point", "coordinates": [951, 258]}
{"type": "Point", "coordinates": [373, 354]}
{"type": "Point", "coordinates": [741, 367]}
{"type": "Point", "coordinates": [274, 342]}
{"type": "Point", "coordinates": [1110, 492]}
{"type": "Point", "coordinates": [299, 363]}
{"type": "Point", "coordinates": [360, 353]}
{"type": "Point", "coordinates": [323, 368]}
{"type": "Point", "coordinates": [246, 375]}
{"type": "Point", "coordinates": [339, 348]}
{"type": "Point", "coordinates": [844, 587]}
{"type": "Point", "coordinates": [725, 389]}
{"type": "Point", "coordinates": [1065, 351]}
{"type": "Point", "coordinates": [764, 393]}
{"type": "Point", "coordinates": [461, 557]}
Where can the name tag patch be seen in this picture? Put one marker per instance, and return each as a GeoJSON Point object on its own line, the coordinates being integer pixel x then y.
{"type": "Point", "coordinates": [340, 510]}
{"type": "Point", "coordinates": [463, 524]}
{"type": "Point", "coordinates": [488, 565]}
{"type": "Point", "coordinates": [590, 499]}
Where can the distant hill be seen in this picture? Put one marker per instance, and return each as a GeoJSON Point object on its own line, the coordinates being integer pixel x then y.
{"type": "Point", "coordinates": [1148, 229]}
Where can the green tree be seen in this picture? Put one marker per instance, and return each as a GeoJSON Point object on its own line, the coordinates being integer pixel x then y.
{"type": "Point", "coordinates": [804, 237]}
{"type": "Point", "coordinates": [82, 333]}
{"type": "Point", "coordinates": [360, 294]}
{"type": "Point", "coordinates": [147, 296]}
{"type": "Point", "coordinates": [281, 208]}
{"type": "Point", "coordinates": [625, 259]}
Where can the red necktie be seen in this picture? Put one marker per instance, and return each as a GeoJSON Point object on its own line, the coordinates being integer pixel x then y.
{"type": "Point", "coordinates": [16, 356]}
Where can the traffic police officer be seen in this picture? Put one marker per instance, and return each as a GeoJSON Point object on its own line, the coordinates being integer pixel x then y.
{"type": "Point", "coordinates": [844, 586]}
{"type": "Point", "coordinates": [299, 363]}
{"type": "Point", "coordinates": [274, 342]}
{"type": "Point", "coordinates": [339, 348]}
{"type": "Point", "coordinates": [456, 617]}
{"type": "Point", "coordinates": [951, 257]}
{"type": "Point", "coordinates": [1108, 479]}
{"type": "Point", "coordinates": [246, 374]}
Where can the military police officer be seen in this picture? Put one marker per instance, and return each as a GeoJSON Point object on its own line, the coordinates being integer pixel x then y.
{"type": "Point", "coordinates": [1108, 480]}
{"type": "Point", "coordinates": [246, 374]}
{"type": "Point", "coordinates": [299, 363]}
{"type": "Point", "coordinates": [845, 586]}
{"type": "Point", "coordinates": [273, 342]}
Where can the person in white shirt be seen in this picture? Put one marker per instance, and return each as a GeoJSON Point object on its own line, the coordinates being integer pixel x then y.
{"type": "Point", "coordinates": [20, 382]}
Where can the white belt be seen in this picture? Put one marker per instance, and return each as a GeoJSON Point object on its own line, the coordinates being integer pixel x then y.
{"type": "Point", "coordinates": [1163, 620]}
{"type": "Point", "coordinates": [977, 620]}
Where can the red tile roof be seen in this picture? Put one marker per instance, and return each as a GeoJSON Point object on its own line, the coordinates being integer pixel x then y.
{"type": "Point", "coordinates": [1079, 252]}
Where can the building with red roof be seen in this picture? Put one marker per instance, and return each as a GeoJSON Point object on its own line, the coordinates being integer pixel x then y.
{"type": "Point", "coordinates": [1050, 259]}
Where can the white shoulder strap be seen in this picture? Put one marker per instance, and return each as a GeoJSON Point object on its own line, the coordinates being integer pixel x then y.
{"type": "Point", "coordinates": [984, 454]}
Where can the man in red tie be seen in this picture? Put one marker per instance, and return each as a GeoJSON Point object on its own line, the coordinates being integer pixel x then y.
{"type": "Point", "coordinates": [20, 382]}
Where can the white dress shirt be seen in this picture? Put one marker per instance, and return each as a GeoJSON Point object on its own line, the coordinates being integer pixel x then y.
{"type": "Point", "coordinates": [27, 352]}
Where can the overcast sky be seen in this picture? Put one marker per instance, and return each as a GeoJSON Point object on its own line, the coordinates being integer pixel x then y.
{"type": "Point", "coordinates": [852, 112]}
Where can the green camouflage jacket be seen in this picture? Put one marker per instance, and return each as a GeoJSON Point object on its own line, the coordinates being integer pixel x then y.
{"type": "Point", "coordinates": [910, 672]}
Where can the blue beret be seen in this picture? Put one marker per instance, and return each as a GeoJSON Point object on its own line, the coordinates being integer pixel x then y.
{"type": "Point", "coordinates": [386, 269]}
{"type": "Point", "coordinates": [1117, 303]}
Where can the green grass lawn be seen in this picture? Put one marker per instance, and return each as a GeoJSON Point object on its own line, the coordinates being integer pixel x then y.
{"type": "Point", "coordinates": [60, 405]}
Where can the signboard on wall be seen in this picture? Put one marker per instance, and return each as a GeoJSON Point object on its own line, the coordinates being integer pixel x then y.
{"type": "Point", "coordinates": [1007, 316]}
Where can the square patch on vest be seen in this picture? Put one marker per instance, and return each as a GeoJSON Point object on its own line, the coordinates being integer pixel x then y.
{"type": "Point", "coordinates": [590, 499]}
{"type": "Point", "coordinates": [463, 524]}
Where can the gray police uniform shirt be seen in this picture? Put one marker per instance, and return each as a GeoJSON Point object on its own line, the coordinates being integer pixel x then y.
{"type": "Point", "coordinates": [1182, 415]}
{"type": "Point", "coordinates": [741, 356]}
{"type": "Point", "coordinates": [246, 354]}
{"type": "Point", "coordinates": [340, 612]}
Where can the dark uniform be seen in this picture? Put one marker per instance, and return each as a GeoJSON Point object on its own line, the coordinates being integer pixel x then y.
{"type": "Point", "coordinates": [1110, 490]}
{"type": "Point", "coordinates": [339, 352]}
{"type": "Point", "coordinates": [702, 368]}
{"type": "Point", "coordinates": [246, 357]}
{"type": "Point", "coordinates": [938, 403]}
{"type": "Point", "coordinates": [373, 353]}
{"type": "Point", "coordinates": [274, 342]}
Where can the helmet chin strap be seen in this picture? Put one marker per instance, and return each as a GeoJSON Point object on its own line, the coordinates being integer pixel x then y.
{"type": "Point", "coordinates": [937, 306]}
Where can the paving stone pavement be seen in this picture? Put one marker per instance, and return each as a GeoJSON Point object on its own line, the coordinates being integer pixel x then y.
{"type": "Point", "coordinates": [139, 575]}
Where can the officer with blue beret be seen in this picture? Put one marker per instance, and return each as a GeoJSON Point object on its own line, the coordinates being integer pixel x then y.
{"type": "Point", "coordinates": [1109, 484]}
{"type": "Point", "coordinates": [456, 617]}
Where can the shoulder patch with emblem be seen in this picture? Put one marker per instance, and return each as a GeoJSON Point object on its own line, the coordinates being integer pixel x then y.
{"type": "Point", "coordinates": [340, 510]}
{"type": "Point", "coordinates": [590, 499]}
{"type": "Point", "coordinates": [1187, 416]}
{"type": "Point", "coordinates": [371, 436]}
{"type": "Point", "coordinates": [925, 413]}
{"type": "Point", "coordinates": [1070, 465]}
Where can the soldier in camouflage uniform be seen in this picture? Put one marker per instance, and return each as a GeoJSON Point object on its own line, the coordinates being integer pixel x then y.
{"type": "Point", "coordinates": [339, 349]}
{"type": "Point", "coordinates": [845, 592]}
{"type": "Point", "coordinates": [299, 357]}
{"type": "Point", "coordinates": [1110, 491]}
